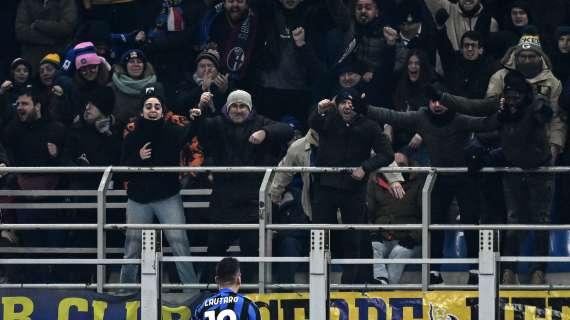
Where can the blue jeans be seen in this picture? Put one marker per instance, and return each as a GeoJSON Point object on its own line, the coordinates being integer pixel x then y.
{"type": "Point", "coordinates": [391, 250]}
{"type": "Point", "coordinates": [168, 211]}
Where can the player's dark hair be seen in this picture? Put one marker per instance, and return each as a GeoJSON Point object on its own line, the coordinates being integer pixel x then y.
{"type": "Point", "coordinates": [227, 270]}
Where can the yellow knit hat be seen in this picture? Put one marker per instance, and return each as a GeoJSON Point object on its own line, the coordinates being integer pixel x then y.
{"type": "Point", "coordinates": [52, 58]}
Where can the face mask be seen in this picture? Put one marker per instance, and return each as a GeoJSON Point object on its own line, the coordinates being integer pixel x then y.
{"type": "Point", "coordinates": [530, 70]}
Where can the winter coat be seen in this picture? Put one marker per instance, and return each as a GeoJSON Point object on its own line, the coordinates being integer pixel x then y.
{"type": "Point", "coordinates": [524, 139]}
{"type": "Point", "coordinates": [348, 144]}
{"type": "Point", "coordinates": [26, 143]}
{"type": "Point", "coordinates": [458, 23]}
{"type": "Point", "coordinates": [383, 208]}
{"type": "Point", "coordinates": [44, 26]}
{"type": "Point", "coordinates": [444, 136]}
{"type": "Point", "coordinates": [167, 140]}
{"type": "Point", "coordinates": [544, 84]}
{"type": "Point", "coordinates": [84, 141]}
{"type": "Point", "coordinates": [299, 155]}
{"type": "Point", "coordinates": [226, 144]}
{"type": "Point", "coordinates": [127, 104]}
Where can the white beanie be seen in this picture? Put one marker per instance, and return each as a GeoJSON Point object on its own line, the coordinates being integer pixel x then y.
{"type": "Point", "coordinates": [240, 96]}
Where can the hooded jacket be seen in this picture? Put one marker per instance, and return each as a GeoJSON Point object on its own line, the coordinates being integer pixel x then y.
{"type": "Point", "coordinates": [545, 84]}
{"type": "Point", "coordinates": [459, 23]}
{"type": "Point", "coordinates": [524, 139]}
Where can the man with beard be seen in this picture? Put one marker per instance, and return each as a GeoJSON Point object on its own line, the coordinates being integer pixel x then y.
{"type": "Point", "coordinates": [34, 141]}
{"type": "Point", "coordinates": [445, 134]}
{"type": "Point", "coordinates": [364, 36]}
{"type": "Point", "coordinates": [523, 135]}
{"type": "Point", "coordinates": [233, 28]}
{"type": "Point", "coordinates": [346, 137]}
{"type": "Point", "coordinates": [529, 59]}
{"type": "Point", "coordinates": [462, 16]}
{"type": "Point", "coordinates": [238, 137]}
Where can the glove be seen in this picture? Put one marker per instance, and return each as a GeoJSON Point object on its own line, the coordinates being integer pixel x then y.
{"type": "Point", "coordinates": [441, 17]}
{"type": "Point", "coordinates": [433, 93]}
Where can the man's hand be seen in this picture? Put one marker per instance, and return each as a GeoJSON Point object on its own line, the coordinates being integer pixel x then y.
{"type": "Point", "coordinates": [389, 132]}
{"type": "Point", "coordinates": [57, 90]}
{"type": "Point", "coordinates": [299, 36]}
{"type": "Point", "coordinates": [368, 76]}
{"type": "Point", "coordinates": [257, 137]}
{"type": "Point", "coordinates": [324, 105]}
{"type": "Point", "coordinates": [358, 174]}
{"type": "Point", "coordinates": [206, 99]}
{"type": "Point", "coordinates": [441, 17]}
{"type": "Point", "coordinates": [6, 85]}
{"type": "Point", "coordinates": [222, 82]}
{"type": "Point", "coordinates": [145, 152]}
{"type": "Point", "coordinates": [52, 150]}
{"type": "Point", "coordinates": [2, 174]}
{"type": "Point", "coordinates": [195, 113]}
{"type": "Point", "coordinates": [397, 191]}
{"type": "Point", "coordinates": [390, 35]}
{"type": "Point", "coordinates": [415, 142]}
{"type": "Point", "coordinates": [140, 36]}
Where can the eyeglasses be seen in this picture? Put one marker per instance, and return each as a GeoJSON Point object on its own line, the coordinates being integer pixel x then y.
{"type": "Point", "coordinates": [149, 106]}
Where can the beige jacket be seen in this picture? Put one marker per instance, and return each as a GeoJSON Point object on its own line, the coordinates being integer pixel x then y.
{"type": "Point", "coordinates": [457, 24]}
{"type": "Point", "coordinates": [545, 83]}
{"type": "Point", "coordinates": [298, 155]}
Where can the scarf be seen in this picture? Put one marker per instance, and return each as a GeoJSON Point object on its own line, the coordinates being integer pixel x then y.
{"type": "Point", "coordinates": [171, 17]}
{"type": "Point", "coordinates": [130, 86]}
{"type": "Point", "coordinates": [239, 45]}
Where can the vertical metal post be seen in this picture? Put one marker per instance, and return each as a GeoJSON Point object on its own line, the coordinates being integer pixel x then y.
{"type": "Point", "coordinates": [150, 274]}
{"type": "Point", "coordinates": [319, 271]}
{"type": "Point", "coordinates": [488, 278]}
{"type": "Point", "coordinates": [426, 221]}
{"type": "Point", "coordinates": [264, 213]}
{"type": "Point", "coordinates": [101, 221]}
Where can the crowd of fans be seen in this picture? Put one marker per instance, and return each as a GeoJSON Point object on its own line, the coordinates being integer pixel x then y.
{"type": "Point", "coordinates": [333, 83]}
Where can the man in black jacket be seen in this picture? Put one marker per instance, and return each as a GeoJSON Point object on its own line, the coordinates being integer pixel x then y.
{"type": "Point", "coordinates": [155, 143]}
{"type": "Point", "coordinates": [238, 137]}
{"type": "Point", "coordinates": [346, 139]}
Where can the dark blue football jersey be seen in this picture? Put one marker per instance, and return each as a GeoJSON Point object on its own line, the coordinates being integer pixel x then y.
{"type": "Point", "coordinates": [226, 305]}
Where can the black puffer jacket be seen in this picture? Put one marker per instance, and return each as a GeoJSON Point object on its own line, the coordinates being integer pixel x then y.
{"type": "Point", "coordinates": [226, 144]}
{"type": "Point", "coordinates": [166, 140]}
{"type": "Point", "coordinates": [348, 144]}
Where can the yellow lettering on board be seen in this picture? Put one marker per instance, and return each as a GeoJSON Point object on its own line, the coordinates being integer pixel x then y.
{"type": "Point", "coordinates": [99, 308]}
{"type": "Point", "coordinates": [132, 308]}
{"type": "Point", "coordinates": [10, 308]}
{"type": "Point", "coordinates": [66, 304]}
{"type": "Point", "coordinates": [182, 311]}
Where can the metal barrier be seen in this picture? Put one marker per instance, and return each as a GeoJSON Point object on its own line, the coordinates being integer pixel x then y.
{"type": "Point", "coordinates": [320, 259]}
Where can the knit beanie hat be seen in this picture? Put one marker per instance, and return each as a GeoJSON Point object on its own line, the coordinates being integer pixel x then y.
{"type": "Point", "coordinates": [132, 54]}
{"type": "Point", "coordinates": [562, 31]}
{"type": "Point", "coordinates": [85, 55]}
{"type": "Point", "coordinates": [520, 4]}
{"type": "Point", "coordinates": [408, 11]}
{"type": "Point", "coordinates": [154, 90]}
{"type": "Point", "coordinates": [211, 55]}
{"type": "Point", "coordinates": [358, 103]}
{"type": "Point", "coordinates": [104, 99]}
{"type": "Point", "coordinates": [51, 58]}
{"type": "Point", "coordinates": [530, 42]}
{"type": "Point", "coordinates": [350, 65]}
{"type": "Point", "coordinates": [515, 81]}
{"type": "Point", "coordinates": [18, 62]}
{"type": "Point", "coordinates": [240, 96]}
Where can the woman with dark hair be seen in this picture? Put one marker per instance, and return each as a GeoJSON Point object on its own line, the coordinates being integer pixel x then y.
{"type": "Point", "coordinates": [410, 95]}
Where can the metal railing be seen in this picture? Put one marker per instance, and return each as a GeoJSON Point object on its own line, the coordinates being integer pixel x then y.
{"type": "Point", "coordinates": [264, 227]}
